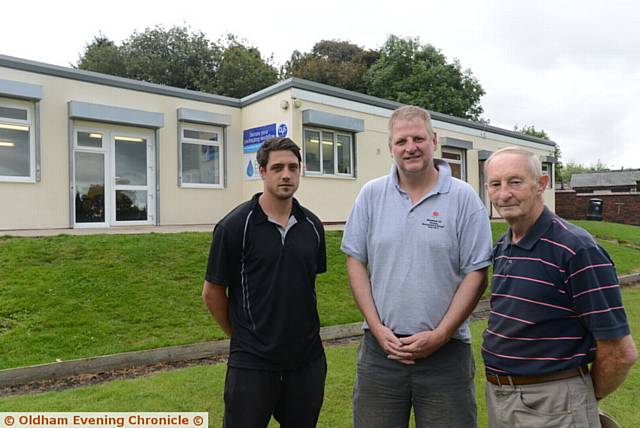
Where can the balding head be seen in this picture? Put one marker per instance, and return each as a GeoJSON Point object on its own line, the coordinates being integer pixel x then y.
{"type": "Point", "coordinates": [532, 159]}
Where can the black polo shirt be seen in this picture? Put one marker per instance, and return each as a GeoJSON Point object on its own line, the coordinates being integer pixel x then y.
{"type": "Point", "coordinates": [271, 285]}
{"type": "Point", "coordinates": [554, 293]}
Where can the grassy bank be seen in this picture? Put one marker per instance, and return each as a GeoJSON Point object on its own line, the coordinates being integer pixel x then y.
{"type": "Point", "coordinates": [69, 297]}
{"type": "Point", "coordinates": [200, 388]}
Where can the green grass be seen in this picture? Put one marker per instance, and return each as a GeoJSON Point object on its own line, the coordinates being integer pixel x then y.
{"type": "Point", "coordinates": [200, 388]}
{"type": "Point", "coordinates": [68, 297]}
{"type": "Point", "coordinates": [626, 259]}
{"type": "Point", "coordinates": [625, 256]}
{"type": "Point", "coordinates": [612, 231]}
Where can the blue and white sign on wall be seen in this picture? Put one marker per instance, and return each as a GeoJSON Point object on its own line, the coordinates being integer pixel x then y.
{"type": "Point", "coordinates": [252, 139]}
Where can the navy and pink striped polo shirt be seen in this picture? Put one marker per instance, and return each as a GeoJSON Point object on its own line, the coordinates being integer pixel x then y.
{"type": "Point", "coordinates": [553, 294]}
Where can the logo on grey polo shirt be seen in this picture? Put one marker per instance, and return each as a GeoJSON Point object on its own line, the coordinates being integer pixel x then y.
{"type": "Point", "coordinates": [434, 222]}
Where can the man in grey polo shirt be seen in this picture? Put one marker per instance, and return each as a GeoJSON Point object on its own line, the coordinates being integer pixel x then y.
{"type": "Point", "coordinates": [418, 243]}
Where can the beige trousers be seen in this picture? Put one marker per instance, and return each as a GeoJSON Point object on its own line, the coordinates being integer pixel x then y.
{"type": "Point", "coordinates": [558, 404]}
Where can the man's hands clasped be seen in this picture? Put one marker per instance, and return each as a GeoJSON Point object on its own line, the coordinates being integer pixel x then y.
{"type": "Point", "coordinates": [407, 350]}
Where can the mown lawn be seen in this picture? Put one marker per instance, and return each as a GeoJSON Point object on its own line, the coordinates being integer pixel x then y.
{"type": "Point", "coordinates": [200, 388]}
{"type": "Point", "coordinates": [612, 231]}
{"type": "Point", "coordinates": [69, 297]}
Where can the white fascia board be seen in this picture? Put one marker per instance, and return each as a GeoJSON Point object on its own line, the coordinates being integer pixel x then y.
{"type": "Point", "coordinates": [490, 135]}
{"type": "Point", "coordinates": [328, 100]}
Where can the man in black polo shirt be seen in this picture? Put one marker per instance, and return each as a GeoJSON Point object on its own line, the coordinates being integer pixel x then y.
{"type": "Point", "coordinates": [260, 288]}
{"type": "Point", "coordinates": [555, 308]}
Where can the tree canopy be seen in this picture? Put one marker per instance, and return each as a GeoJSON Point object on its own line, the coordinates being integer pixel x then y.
{"type": "Point", "coordinates": [242, 71]}
{"type": "Point", "coordinates": [333, 62]}
{"type": "Point", "coordinates": [403, 70]}
{"type": "Point", "coordinates": [414, 73]}
{"type": "Point", "coordinates": [104, 56]}
{"type": "Point", "coordinates": [570, 168]}
{"type": "Point", "coordinates": [184, 59]}
{"type": "Point", "coordinates": [532, 131]}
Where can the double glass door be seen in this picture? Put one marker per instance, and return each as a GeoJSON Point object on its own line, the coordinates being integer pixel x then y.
{"type": "Point", "coordinates": [114, 177]}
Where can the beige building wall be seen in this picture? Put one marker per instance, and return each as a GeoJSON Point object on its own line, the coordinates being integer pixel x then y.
{"type": "Point", "coordinates": [184, 205]}
{"type": "Point", "coordinates": [331, 198]}
{"type": "Point", "coordinates": [493, 144]}
{"type": "Point", "coordinates": [46, 204]}
{"type": "Point", "coordinates": [264, 112]}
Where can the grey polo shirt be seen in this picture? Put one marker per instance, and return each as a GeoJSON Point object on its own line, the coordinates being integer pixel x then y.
{"type": "Point", "coordinates": [417, 254]}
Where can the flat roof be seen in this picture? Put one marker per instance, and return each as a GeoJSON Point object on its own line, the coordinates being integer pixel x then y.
{"type": "Point", "coordinates": [294, 82]}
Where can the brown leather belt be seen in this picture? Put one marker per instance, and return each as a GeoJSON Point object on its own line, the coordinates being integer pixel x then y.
{"type": "Point", "coordinates": [505, 380]}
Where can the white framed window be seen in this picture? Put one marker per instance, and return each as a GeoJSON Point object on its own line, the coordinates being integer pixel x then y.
{"type": "Point", "coordinates": [456, 160]}
{"type": "Point", "coordinates": [201, 156]}
{"type": "Point", "coordinates": [547, 169]}
{"type": "Point", "coordinates": [17, 141]}
{"type": "Point", "coordinates": [328, 153]}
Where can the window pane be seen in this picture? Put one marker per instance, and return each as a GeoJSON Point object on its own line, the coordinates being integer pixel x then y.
{"type": "Point", "coordinates": [15, 151]}
{"type": "Point", "coordinates": [312, 150]}
{"type": "Point", "coordinates": [200, 135]}
{"type": "Point", "coordinates": [456, 170]}
{"type": "Point", "coordinates": [200, 164]}
{"type": "Point", "coordinates": [131, 162]}
{"type": "Point", "coordinates": [454, 156]}
{"type": "Point", "coordinates": [327, 153]}
{"type": "Point", "coordinates": [131, 205]}
{"type": "Point", "coordinates": [546, 170]}
{"type": "Point", "coordinates": [89, 181]}
{"type": "Point", "coordinates": [89, 139]}
{"type": "Point", "coordinates": [13, 113]}
{"type": "Point", "coordinates": [344, 154]}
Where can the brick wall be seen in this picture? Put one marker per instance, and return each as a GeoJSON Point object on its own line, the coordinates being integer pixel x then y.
{"type": "Point", "coordinates": [618, 207]}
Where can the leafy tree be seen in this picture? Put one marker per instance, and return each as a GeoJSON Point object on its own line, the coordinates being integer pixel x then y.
{"type": "Point", "coordinates": [181, 58]}
{"type": "Point", "coordinates": [333, 62]}
{"type": "Point", "coordinates": [102, 55]}
{"type": "Point", "coordinates": [174, 57]}
{"type": "Point", "coordinates": [410, 72]}
{"type": "Point", "coordinates": [532, 131]}
{"type": "Point", "coordinates": [242, 70]}
{"type": "Point", "coordinates": [572, 168]}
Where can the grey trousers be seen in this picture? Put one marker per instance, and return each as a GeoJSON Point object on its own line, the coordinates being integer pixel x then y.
{"type": "Point", "coordinates": [558, 404]}
{"type": "Point", "coordinates": [440, 388]}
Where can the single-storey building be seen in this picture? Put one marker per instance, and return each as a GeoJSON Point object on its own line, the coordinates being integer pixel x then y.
{"type": "Point", "coordinates": [606, 181]}
{"type": "Point", "coordinates": [83, 149]}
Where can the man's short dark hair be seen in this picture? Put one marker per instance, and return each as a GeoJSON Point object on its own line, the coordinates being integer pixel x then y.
{"type": "Point", "coordinates": [275, 144]}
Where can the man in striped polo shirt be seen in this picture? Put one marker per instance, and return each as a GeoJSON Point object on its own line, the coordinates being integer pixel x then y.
{"type": "Point", "coordinates": [555, 308]}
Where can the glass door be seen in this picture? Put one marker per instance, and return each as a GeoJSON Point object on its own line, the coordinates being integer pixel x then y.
{"type": "Point", "coordinates": [89, 179]}
{"type": "Point", "coordinates": [133, 179]}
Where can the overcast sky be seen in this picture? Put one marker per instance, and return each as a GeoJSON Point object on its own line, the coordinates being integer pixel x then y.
{"type": "Point", "coordinates": [571, 68]}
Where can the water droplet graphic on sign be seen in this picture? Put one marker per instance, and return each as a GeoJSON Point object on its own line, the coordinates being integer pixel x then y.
{"type": "Point", "coordinates": [250, 169]}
